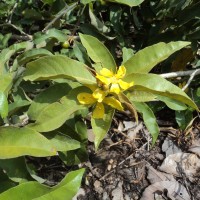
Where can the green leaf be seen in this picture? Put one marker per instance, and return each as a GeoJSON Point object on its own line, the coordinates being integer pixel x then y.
{"type": "Point", "coordinates": [50, 2]}
{"type": "Point", "coordinates": [54, 115]}
{"type": "Point", "coordinates": [183, 118]}
{"type": "Point", "coordinates": [32, 54]}
{"type": "Point", "coordinates": [128, 2]}
{"type": "Point", "coordinates": [62, 142]}
{"type": "Point", "coordinates": [144, 60]}
{"type": "Point", "coordinates": [3, 105]}
{"type": "Point", "coordinates": [97, 23]}
{"type": "Point", "coordinates": [6, 54]}
{"type": "Point", "coordinates": [86, 1]}
{"type": "Point", "coordinates": [157, 85]}
{"type": "Point", "coordinates": [127, 53]}
{"type": "Point", "coordinates": [16, 169]}
{"type": "Point", "coordinates": [81, 53]}
{"type": "Point", "coordinates": [40, 39]}
{"type": "Point", "coordinates": [66, 190]}
{"type": "Point", "coordinates": [149, 119]}
{"type": "Point", "coordinates": [5, 182]}
{"type": "Point", "coordinates": [188, 14]}
{"type": "Point", "coordinates": [6, 82]}
{"type": "Point", "coordinates": [55, 67]}
{"type": "Point", "coordinates": [50, 95]}
{"type": "Point", "coordinates": [140, 96]}
{"type": "Point", "coordinates": [15, 142]}
{"type": "Point", "coordinates": [98, 52]}
{"type": "Point", "coordinates": [172, 103]}
{"type": "Point", "coordinates": [101, 126]}
{"type": "Point", "coordinates": [20, 99]}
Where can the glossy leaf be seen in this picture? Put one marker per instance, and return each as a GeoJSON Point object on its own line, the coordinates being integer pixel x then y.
{"type": "Point", "coordinates": [172, 103]}
{"type": "Point", "coordinates": [43, 99]}
{"type": "Point", "coordinates": [157, 85]}
{"type": "Point", "coordinates": [3, 105]}
{"type": "Point", "coordinates": [15, 142]}
{"type": "Point", "coordinates": [149, 119]}
{"type": "Point", "coordinates": [53, 116]}
{"type": "Point", "coordinates": [140, 96]}
{"type": "Point", "coordinates": [130, 3]}
{"type": "Point", "coordinates": [144, 60]}
{"type": "Point", "coordinates": [62, 142]}
{"type": "Point", "coordinates": [98, 52]}
{"type": "Point", "coordinates": [67, 188]}
{"type": "Point", "coordinates": [15, 169]}
{"type": "Point", "coordinates": [54, 67]}
{"type": "Point", "coordinates": [101, 126]}
{"type": "Point", "coordinates": [127, 54]}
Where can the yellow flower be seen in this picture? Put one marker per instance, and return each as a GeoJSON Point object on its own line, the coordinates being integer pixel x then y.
{"type": "Point", "coordinates": [98, 98]}
{"type": "Point", "coordinates": [113, 81]}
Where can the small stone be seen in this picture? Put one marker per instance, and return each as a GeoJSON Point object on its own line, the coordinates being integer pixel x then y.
{"type": "Point", "coordinates": [159, 156]}
{"type": "Point", "coordinates": [111, 161]}
{"type": "Point", "coordinates": [109, 167]}
{"type": "Point", "coordinates": [97, 184]}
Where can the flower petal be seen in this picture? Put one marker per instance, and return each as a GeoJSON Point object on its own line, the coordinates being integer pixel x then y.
{"type": "Point", "coordinates": [99, 95]}
{"type": "Point", "coordinates": [99, 111]}
{"type": "Point", "coordinates": [86, 98]}
{"type": "Point", "coordinates": [115, 88]}
{"type": "Point", "coordinates": [121, 72]}
{"type": "Point", "coordinates": [103, 79]}
{"type": "Point", "coordinates": [124, 85]}
{"type": "Point", "coordinates": [106, 72]}
{"type": "Point", "coordinates": [114, 103]}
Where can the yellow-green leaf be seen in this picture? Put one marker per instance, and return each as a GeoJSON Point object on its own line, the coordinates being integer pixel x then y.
{"type": "Point", "coordinates": [101, 126]}
{"type": "Point", "coordinates": [15, 142]}
{"type": "Point", "coordinates": [144, 60]}
{"type": "Point", "coordinates": [55, 67]}
{"type": "Point", "coordinates": [149, 119]}
{"type": "Point", "coordinates": [3, 105]}
{"type": "Point", "coordinates": [98, 52]}
{"type": "Point", "coordinates": [157, 85]}
{"type": "Point", "coordinates": [53, 116]}
{"type": "Point", "coordinates": [65, 190]}
{"type": "Point", "coordinates": [130, 3]}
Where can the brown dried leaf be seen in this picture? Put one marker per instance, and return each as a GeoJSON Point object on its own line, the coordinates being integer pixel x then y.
{"type": "Point", "coordinates": [174, 190]}
{"type": "Point", "coordinates": [195, 147]}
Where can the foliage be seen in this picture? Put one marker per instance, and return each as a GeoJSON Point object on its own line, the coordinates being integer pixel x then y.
{"type": "Point", "coordinates": [97, 57]}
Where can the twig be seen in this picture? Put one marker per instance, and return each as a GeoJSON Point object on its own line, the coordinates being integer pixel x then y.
{"type": "Point", "coordinates": [179, 74]}
{"type": "Point", "coordinates": [9, 20]}
{"type": "Point", "coordinates": [17, 28]}
{"type": "Point", "coordinates": [190, 79]}
{"type": "Point", "coordinates": [59, 15]}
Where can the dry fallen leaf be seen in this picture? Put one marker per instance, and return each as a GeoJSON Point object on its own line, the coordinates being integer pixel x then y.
{"type": "Point", "coordinates": [156, 176]}
{"type": "Point", "coordinates": [181, 163]}
{"type": "Point", "coordinates": [172, 189]}
{"type": "Point", "coordinates": [128, 125]}
{"type": "Point", "coordinates": [117, 193]}
{"type": "Point", "coordinates": [195, 147]}
{"type": "Point", "coordinates": [169, 147]}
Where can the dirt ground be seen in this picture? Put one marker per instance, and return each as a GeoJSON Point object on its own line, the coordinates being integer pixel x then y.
{"type": "Point", "coordinates": [127, 167]}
